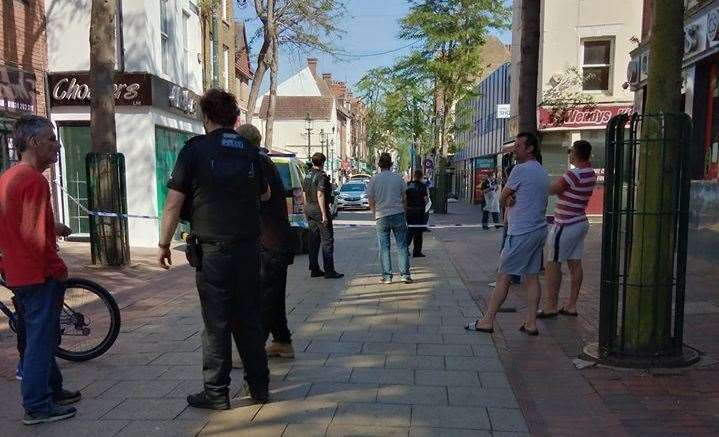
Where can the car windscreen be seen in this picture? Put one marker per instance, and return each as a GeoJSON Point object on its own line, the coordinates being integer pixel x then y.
{"type": "Point", "coordinates": [356, 188]}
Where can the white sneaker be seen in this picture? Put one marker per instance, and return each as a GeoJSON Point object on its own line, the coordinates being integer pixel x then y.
{"type": "Point", "coordinates": [407, 279]}
{"type": "Point", "coordinates": [385, 280]}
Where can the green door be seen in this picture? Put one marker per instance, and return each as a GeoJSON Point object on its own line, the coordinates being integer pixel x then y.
{"type": "Point", "coordinates": [168, 143]}
{"type": "Point", "coordinates": [75, 140]}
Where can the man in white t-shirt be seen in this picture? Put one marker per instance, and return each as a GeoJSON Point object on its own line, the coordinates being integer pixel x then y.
{"type": "Point", "coordinates": [525, 194]}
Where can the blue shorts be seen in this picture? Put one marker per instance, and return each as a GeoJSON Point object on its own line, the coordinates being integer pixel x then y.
{"type": "Point", "coordinates": [522, 254]}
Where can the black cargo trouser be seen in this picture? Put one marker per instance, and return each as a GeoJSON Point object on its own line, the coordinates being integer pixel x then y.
{"type": "Point", "coordinates": [229, 288]}
{"type": "Point", "coordinates": [416, 217]}
{"type": "Point", "coordinates": [321, 235]}
{"type": "Point", "coordinates": [273, 273]}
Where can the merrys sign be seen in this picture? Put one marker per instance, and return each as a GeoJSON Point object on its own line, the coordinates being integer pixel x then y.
{"type": "Point", "coordinates": [73, 89]}
{"type": "Point", "coordinates": [597, 116]}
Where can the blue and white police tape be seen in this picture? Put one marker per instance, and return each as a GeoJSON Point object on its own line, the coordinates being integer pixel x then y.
{"type": "Point", "coordinates": [103, 213]}
{"type": "Point", "coordinates": [360, 224]}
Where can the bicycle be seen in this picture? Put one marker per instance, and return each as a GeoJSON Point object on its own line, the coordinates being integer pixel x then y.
{"type": "Point", "coordinates": [89, 320]}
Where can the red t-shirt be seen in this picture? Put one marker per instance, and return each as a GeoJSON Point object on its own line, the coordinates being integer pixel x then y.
{"type": "Point", "coordinates": [27, 228]}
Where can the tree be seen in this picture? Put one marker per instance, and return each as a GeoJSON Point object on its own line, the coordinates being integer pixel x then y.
{"type": "Point", "coordinates": [452, 34]}
{"type": "Point", "coordinates": [646, 326]}
{"type": "Point", "coordinates": [528, 66]}
{"type": "Point", "coordinates": [299, 24]}
{"type": "Point", "coordinates": [565, 94]}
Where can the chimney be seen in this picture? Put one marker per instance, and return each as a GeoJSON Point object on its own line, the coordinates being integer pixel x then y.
{"type": "Point", "coordinates": [312, 63]}
{"type": "Point", "coordinates": [327, 77]}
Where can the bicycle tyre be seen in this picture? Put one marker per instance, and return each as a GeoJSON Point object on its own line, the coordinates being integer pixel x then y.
{"type": "Point", "coordinates": [115, 321]}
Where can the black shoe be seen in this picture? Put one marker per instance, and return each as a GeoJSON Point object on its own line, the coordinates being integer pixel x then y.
{"type": "Point", "coordinates": [261, 395]}
{"type": "Point", "coordinates": [419, 255]}
{"type": "Point", "coordinates": [334, 275]}
{"type": "Point", "coordinates": [66, 397]}
{"type": "Point", "coordinates": [316, 273]}
{"type": "Point", "coordinates": [211, 402]}
{"type": "Point", "coordinates": [57, 413]}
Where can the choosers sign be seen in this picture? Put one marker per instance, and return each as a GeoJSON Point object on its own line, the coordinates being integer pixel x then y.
{"type": "Point", "coordinates": [597, 116]}
{"type": "Point", "coordinates": [73, 89]}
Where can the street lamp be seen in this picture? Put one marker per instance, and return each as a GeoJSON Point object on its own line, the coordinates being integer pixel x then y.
{"type": "Point", "coordinates": [308, 127]}
{"type": "Point", "coordinates": [323, 140]}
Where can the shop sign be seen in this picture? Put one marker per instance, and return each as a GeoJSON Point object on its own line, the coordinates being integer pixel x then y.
{"type": "Point", "coordinates": [484, 162]}
{"type": "Point", "coordinates": [428, 164]}
{"type": "Point", "coordinates": [597, 116]}
{"type": "Point", "coordinates": [17, 90]}
{"type": "Point", "coordinates": [73, 89]}
{"type": "Point", "coordinates": [503, 110]}
{"type": "Point", "coordinates": [174, 98]}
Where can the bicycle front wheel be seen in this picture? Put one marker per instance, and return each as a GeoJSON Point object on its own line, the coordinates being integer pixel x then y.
{"type": "Point", "coordinates": [89, 321]}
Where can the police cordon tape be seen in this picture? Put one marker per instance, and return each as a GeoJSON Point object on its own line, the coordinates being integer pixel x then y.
{"type": "Point", "coordinates": [338, 224]}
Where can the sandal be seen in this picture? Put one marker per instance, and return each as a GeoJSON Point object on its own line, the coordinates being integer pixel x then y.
{"type": "Point", "coordinates": [524, 329]}
{"type": "Point", "coordinates": [564, 312]}
{"type": "Point", "coordinates": [474, 327]}
{"type": "Point", "coordinates": [542, 315]}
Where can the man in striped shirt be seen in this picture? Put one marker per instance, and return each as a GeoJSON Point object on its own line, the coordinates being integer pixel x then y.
{"type": "Point", "coordinates": [565, 242]}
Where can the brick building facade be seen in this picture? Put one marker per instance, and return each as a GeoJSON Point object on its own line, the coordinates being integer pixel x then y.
{"type": "Point", "coordinates": [23, 62]}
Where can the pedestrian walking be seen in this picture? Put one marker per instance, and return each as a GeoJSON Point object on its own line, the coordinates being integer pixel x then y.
{"type": "Point", "coordinates": [525, 194]}
{"type": "Point", "coordinates": [416, 200]}
{"type": "Point", "coordinates": [318, 195]}
{"type": "Point", "coordinates": [275, 254]}
{"type": "Point", "coordinates": [491, 202]}
{"type": "Point", "coordinates": [566, 237]}
{"type": "Point", "coordinates": [217, 184]}
{"type": "Point", "coordinates": [386, 192]}
{"type": "Point", "coordinates": [33, 269]}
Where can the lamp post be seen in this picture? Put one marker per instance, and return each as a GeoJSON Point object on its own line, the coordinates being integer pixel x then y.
{"type": "Point", "coordinates": [323, 140]}
{"type": "Point", "coordinates": [308, 127]}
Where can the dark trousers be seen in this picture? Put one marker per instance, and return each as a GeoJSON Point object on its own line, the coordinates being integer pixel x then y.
{"type": "Point", "coordinates": [485, 219]}
{"type": "Point", "coordinates": [415, 234]}
{"type": "Point", "coordinates": [38, 308]}
{"type": "Point", "coordinates": [321, 236]}
{"type": "Point", "coordinates": [229, 289]}
{"type": "Point", "coordinates": [273, 273]}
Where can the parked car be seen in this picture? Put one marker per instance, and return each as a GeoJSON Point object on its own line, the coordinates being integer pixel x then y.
{"type": "Point", "coordinates": [353, 194]}
{"type": "Point", "coordinates": [360, 177]}
{"type": "Point", "coordinates": [292, 171]}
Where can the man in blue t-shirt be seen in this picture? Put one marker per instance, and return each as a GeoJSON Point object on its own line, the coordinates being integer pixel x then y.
{"type": "Point", "coordinates": [525, 196]}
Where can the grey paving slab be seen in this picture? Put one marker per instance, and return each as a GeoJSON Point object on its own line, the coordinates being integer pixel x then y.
{"type": "Point", "coordinates": [462, 350]}
{"type": "Point", "coordinates": [343, 392]}
{"type": "Point", "coordinates": [383, 376]}
{"type": "Point", "coordinates": [372, 415]}
{"type": "Point", "coordinates": [494, 379]}
{"type": "Point", "coordinates": [76, 427]}
{"type": "Point", "coordinates": [506, 419]}
{"type": "Point", "coordinates": [485, 397]}
{"type": "Point", "coordinates": [162, 428]}
{"type": "Point", "coordinates": [450, 417]}
{"type": "Point", "coordinates": [179, 359]}
{"type": "Point", "coordinates": [447, 432]}
{"type": "Point", "coordinates": [390, 348]}
{"type": "Point", "coordinates": [140, 389]}
{"type": "Point", "coordinates": [458, 378]}
{"type": "Point", "coordinates": [350, 361]}
{"type": "Point", "coordinates": [335, 347]}
{"type": "Point", "coordinates": [229, 428]}
{"type": "Point", "coordinates": [480, 364]}
{"type": "Point", "coordinates": [477, 338]}
{"type": "Point", "coordinates": [414, 362]}
{"type": "Point", "coordinates": [307, 411]}
{"type": "Point", "coordinates": [412, 395]}
{"type": "Point", "coordinates": [147, 409]}
{"type": "Point", "coordinates": [319, 374]}
{"type": "Point", "coordinates": [182, 372]}
{"type": "Point", "coordinates": [365, 431]}
{"type": "Point", "coordinates": [304, 430]}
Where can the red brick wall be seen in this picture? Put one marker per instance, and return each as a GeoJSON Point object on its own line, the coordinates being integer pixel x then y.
{"type": "Point", "coordinates": [23, 41]}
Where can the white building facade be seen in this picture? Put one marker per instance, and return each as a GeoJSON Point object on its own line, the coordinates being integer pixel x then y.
{"type": "Point", "coordinates": [158, 81]}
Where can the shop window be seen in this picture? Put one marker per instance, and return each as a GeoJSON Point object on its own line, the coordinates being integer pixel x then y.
{"type": "Point", "coordinates": [596, 64]}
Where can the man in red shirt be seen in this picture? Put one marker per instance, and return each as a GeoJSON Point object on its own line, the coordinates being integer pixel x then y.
{"type": "Point", "coordinates": [33, 269]}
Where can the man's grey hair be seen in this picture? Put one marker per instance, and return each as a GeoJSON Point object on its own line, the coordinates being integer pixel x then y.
{"type": "Point", "coordinates": [27, 128]}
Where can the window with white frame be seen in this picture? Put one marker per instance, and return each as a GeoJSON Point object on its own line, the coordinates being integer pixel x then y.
{"type": "Point", "coordinates": [165, 37]}
{"type": "Point", "coordinates": [226, 69]}
{"type": "Point", "coordinates": [596, 64]}
{"type": "Point", "coordinates": [186, 47]}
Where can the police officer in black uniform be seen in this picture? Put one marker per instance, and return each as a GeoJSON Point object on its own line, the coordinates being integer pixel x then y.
{"type": "Point", "coordinates": [217, 184]}
{"type": "Point", "coordinates": [416, 200]}
{"type": "Point", "coordinates": [318, 193]}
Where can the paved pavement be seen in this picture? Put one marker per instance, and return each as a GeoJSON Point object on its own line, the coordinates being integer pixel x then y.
{"type": "Point", "coordinates": [555, 397]}
{"type": "Point", "coordinates": [372, 359]}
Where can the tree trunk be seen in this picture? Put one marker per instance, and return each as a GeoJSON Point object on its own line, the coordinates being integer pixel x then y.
{"type": "Point", "coordinates": [647, 327]}
{"type": "Point", "coordinates": [529, 66]}
{"type": "Point", "coordinates": [109, 239]}
{"type": "Point", "coordinates": [269, 124]}
{"type": "Point", "coordinates": [257, 81]}
{"type": "Point", "coordinates": [102, 67]}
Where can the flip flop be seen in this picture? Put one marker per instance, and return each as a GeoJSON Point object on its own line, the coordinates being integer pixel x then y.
{"type": "Point", "coordinates": [528, 332]}
{"type": "Point", "coordinates": [564, 312]}
{"type": "Point", "coordinates": [473, 327]}
{"type": "Point", "coordinates": [542, 315]}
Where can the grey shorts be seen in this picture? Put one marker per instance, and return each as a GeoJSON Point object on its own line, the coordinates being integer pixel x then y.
{"type": "Point", "coordinates": [566, 242]}
{"type": "Point", "coordinates": [522, 254]}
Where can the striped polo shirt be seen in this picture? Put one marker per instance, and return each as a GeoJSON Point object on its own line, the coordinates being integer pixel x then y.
{"type": "Point", "coordinates": [578, 185]}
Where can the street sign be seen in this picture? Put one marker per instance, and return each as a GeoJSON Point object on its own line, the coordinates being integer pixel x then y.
{"type": "Point", "coordinates": [503, 110]}
{"type": "Point", "coordinates": [428, 164]}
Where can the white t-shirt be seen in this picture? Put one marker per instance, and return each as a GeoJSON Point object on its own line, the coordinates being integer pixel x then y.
{"type": "Point", "coordinates": [387, 189]}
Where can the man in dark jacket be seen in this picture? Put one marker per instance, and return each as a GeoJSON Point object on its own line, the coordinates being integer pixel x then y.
{"type": "Point", "coordinates": [275, 253]}
{"type": "Point", "coordinates": [416, 201]}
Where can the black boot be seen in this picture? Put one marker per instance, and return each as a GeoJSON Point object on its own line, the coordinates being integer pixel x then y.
{"type": "Point", "coordinates": [260, 394]}
{"type": "Point", "coordinates": [209, 401]}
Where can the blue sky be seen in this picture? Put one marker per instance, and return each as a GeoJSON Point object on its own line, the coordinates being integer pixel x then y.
{"type": "Point", "coordinates": [371, 27]}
